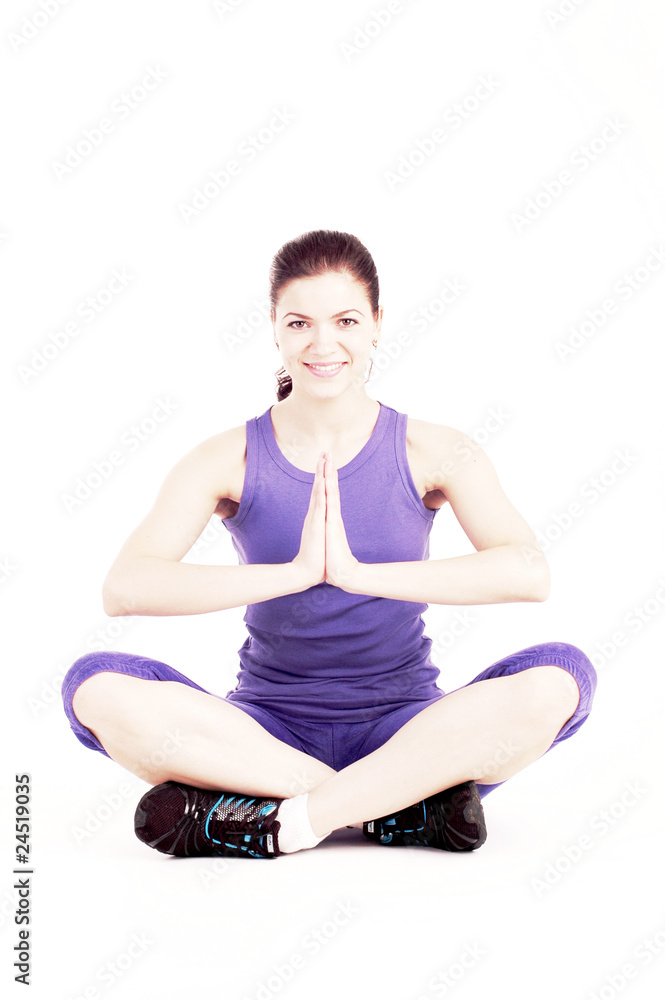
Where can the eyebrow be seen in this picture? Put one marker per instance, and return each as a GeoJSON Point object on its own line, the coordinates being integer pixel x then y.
{"type": "Point", "coordinates": [336, 316]}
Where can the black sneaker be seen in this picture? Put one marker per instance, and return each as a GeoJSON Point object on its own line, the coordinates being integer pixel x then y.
{"type": "Point", "coordinates": [179, 819]}
{"type": "Point", "coordinates": [451, 820]}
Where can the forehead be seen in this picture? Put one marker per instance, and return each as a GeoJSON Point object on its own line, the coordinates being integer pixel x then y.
{"type": "Point", "coordinates": [322, 293]}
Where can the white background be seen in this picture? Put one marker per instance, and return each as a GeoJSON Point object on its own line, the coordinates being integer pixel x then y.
{"type": "Point", "coordinates": [361, 104]}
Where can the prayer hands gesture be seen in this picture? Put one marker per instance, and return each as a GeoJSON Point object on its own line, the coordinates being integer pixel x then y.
{"type": "Point", "coordinates": [324, 552]}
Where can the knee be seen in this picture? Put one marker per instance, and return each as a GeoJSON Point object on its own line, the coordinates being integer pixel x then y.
{"type": "Point", "coordinates": [87, 666]}
{"type": "Point", "coordinates": [87, 681]}
{"type": "Point", "coordinates": [573, 660]}
{"type": "Point", "coordinates": [553, 693]}
{"type": "Point", "coordinates": [581, 664]}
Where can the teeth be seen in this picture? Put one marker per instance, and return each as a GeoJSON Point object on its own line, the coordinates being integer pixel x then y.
{"type": "Point", "coordinates": [326, 368]}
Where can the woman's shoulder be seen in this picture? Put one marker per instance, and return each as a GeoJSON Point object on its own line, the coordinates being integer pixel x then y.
{"type": "Point", "coordinates": [436, 452]}
{"type": "Point", "coordinates": [433, 438]}
{"type": "Point", "coordinates": [229, 444]}
{"type": "Point", "coordinates": [220, 457]}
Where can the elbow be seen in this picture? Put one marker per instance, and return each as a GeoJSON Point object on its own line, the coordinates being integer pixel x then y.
{"type": "Point", "coordinates": [535, 574]}
{"type": "Point", "coordinates": [539, 591]}
{"type": "Point", "coordinates": [115, 599]}
{"type": "Point", "coordinates": [540, 583]}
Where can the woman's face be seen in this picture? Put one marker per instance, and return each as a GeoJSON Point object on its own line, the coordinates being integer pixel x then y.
{"type": "Point", "coordinates": [324, 330]}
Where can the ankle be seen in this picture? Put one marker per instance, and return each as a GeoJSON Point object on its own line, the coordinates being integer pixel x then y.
{"type": "Point", "coordinates": [296, 832]}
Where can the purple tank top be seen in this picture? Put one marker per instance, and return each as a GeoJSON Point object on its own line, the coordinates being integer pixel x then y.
{"type": "Point", "coordinates": [324, 654]}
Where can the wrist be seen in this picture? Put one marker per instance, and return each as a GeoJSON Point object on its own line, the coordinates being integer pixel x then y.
{"type": "Point", "coordinates": [350, 578]}
{"type": "Point", "coordinates": [300, 578]}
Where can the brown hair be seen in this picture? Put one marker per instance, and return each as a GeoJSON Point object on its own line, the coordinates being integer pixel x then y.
{"type": "Point", "coordinates": [311, 255]}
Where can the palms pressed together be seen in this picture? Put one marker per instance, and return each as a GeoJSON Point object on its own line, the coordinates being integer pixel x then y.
{"type": "Point", "coordinates": [324, 552]}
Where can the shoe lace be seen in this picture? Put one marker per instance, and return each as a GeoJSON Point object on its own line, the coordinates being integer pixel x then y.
{"type": "Point", "coordinates": [406, 821]}
{"type": "Point", "coordinates": [228, 821]}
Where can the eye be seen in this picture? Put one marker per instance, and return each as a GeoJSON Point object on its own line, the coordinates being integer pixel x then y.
{"type": "Point", "coordinates": [295, 322]}
{"type": "Point", "coordinates": [349, 319]}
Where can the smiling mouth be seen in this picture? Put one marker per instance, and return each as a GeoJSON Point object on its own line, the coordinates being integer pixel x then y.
{"type": "Point", "coordinates": [326, 369]}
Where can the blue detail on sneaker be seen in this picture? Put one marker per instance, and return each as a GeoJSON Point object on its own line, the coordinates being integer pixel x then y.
{"type": "Point", "coordinates": [451, 820]}
{"type": "Point", "coordinates": [175, 818]}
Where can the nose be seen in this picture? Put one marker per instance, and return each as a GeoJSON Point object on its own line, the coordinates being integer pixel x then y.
{"type": "Point", "coordinates": [323, 340]}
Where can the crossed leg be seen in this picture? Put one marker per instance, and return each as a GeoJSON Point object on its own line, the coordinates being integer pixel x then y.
{"type": "Point", "coordinates": [164, 730]}
{"type": "Point", "coordinates": [461, 736]}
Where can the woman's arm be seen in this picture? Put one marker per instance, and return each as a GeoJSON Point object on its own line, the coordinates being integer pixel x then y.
{"type": "Point", "coordinates": [147, 577]}
{"type": "Point", "coordinates": [508, 564]}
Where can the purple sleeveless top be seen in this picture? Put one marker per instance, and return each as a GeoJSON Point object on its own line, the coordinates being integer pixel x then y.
{"type": "Point", "coordinates": [324, 654]}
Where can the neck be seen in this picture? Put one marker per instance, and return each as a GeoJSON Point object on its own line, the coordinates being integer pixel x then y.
{"type": "Point", "coordinates": [325, 421]}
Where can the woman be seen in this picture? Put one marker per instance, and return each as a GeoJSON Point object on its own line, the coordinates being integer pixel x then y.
{"type": "Point", "coordinates": [336, 719]}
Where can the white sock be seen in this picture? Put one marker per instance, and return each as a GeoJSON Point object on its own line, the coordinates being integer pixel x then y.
{"type": "Point", "coordinates": [295, 831]}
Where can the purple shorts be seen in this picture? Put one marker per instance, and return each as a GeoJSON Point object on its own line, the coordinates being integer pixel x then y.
{"type": "Point", "coordinates": [337, 744]}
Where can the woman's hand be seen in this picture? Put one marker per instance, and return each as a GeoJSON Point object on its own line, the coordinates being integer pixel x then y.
{"type": "Point", "coordinates": [341, 564]}
{"type": "Point", "coordinates": [324, 554]}
{"type": "Point", "coordinates": [311, 558]}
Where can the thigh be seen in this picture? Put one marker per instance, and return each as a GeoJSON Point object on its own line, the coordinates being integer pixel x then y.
{"type": "Point", "coordinates": [114, 661]}
{"type": "Point", "coordinates": [314, 740]}
{"type": "Point", "coordinates": [371, 736]}
{"type": "Point", "coordinates": [558, 654]}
